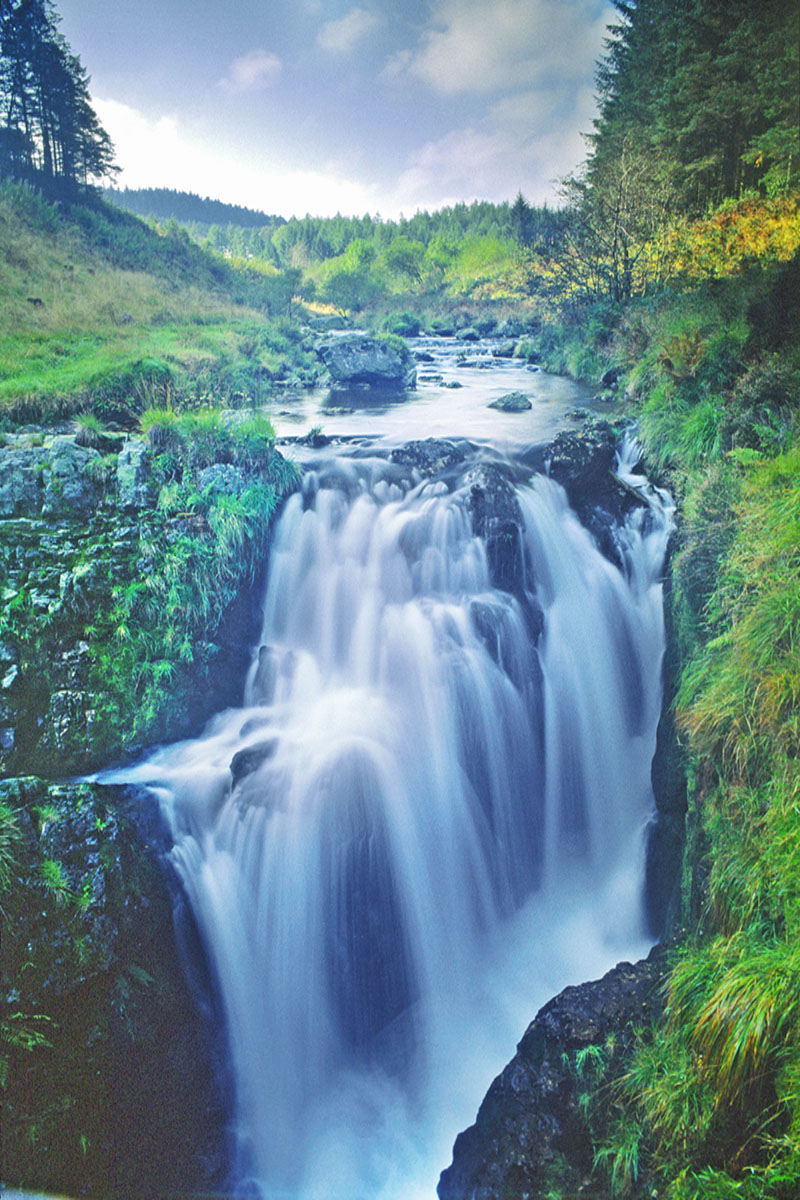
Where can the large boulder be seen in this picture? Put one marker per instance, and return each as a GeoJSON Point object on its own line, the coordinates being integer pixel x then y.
{"type": "Point", "coordinates": [72, 482]}
{"type": "Point", "coordinates": [428, 457]}
{"type": "Point", "coordinates": [531, 1136]}
{"type": "Point", "coordinates": [359, 358]}
{"type": "Point", "coordinates": [513, 402]}
{"type": "Point", "coordinates": [21, 481]}
{"type": "Point", "coordinates": [583, 463]}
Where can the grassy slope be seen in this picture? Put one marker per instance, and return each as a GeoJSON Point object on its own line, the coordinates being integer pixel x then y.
{"type": "Point", "coordinates": [127, 316]}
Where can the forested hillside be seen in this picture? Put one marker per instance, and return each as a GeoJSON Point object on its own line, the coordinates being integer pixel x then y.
{"type": "Point", "coordinates": [188, 209]}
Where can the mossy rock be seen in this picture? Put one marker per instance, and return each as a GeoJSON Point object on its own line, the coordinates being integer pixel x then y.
{"type": "Point", "coordinates": [514, 402]}
{"type": "Point", "coordinates": [111, 1073]}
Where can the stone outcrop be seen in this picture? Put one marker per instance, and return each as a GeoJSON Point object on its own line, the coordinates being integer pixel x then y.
{"type": "Point", "coordinates": [377, 361]}
{"type": "Point", "coordinates": [531, 1136]}
{"type": "Point", "coordinates": [583, 463]}
{"type": "Point", "coordinates": [497, 519]}
{"type": "Point", "coordinates": [429, 457]}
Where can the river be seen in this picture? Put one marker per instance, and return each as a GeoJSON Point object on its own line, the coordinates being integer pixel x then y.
{"type": "Point", "coordinates": [428, 815]}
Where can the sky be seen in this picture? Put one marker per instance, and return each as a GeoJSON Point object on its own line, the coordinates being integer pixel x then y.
{"type": "Point", "coordinates": [324, 106]}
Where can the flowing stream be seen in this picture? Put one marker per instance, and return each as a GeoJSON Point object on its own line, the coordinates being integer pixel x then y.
{"type": "Point", "coordinates": [427, 816]}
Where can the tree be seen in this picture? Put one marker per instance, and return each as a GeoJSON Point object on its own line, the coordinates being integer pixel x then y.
{"type": "Point", "coordinates": [404, 257]}
{"type": "Point", "coordinates": [49, 132]}
{"type": "Point", "coordinates": [348, 290]}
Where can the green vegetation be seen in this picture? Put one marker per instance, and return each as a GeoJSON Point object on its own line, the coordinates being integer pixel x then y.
{"type": "Point", "coordinates": [681, 270]}
{"type": "Point", "coordinates": [195, 554]}
{"type": "Point", "coordinates": [103, 313]}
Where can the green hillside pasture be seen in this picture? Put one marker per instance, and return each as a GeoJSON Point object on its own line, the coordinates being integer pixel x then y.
{"type": "Point", "coordinates": [78, 333]}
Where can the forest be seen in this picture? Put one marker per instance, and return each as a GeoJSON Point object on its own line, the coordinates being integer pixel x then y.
{"type": "Point", "coordinates": [671, 269]}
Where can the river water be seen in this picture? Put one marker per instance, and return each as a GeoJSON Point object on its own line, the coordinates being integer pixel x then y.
{"type": "Point", "coordinates": [428, 814]}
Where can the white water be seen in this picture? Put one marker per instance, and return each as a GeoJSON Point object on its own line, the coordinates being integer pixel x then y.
{"type": "Point", "coordinates": [445, 828]}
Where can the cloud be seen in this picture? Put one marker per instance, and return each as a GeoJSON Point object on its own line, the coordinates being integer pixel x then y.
{"type": "Point", "coordinates": [253, 71]}
{"type": "Point", "coordinates": [161, 152]}
{"type": "Point", "coordinates": [472, 47]}
{"type": "Point", "coordinates": [339, 37]}
{"type": "Point", "coordinates": [526, 142]}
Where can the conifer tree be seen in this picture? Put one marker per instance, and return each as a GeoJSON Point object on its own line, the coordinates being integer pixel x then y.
{"type": "Point", "coordinates": [49, 132]}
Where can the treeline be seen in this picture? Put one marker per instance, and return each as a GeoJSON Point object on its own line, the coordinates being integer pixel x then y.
{"type": "Point", "coordinates": [49, 133]}
{"type": "Point", "coordinates": [698, 105]}
{"type": "Point", "coordinates": [188, 208]}
{"type": "Point", "coordinates": [303, 241]}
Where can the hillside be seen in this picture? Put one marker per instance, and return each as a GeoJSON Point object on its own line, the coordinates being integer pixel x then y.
{"type": "Point", "coordinates": [168, 204]}
{"type": "Point", "coordinates": [104, 313]}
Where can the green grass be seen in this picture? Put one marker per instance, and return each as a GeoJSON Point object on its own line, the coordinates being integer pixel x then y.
{"type": "Point", "coordinates": [124, 316]}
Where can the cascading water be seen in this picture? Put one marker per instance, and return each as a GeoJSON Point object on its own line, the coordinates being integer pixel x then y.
{"type": "Point", "coordinates": [427, 817]}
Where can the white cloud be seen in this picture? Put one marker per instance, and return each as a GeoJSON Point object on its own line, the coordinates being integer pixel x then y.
{"type": "Point", "coordinates": [160, 152]}
{"type": "Point", "coordinates": [339, 37]}
{"type": "Point", "coordinates": [472, 47]}
{"type": "Point", "coordinates": [253, 71]}
{"type": "Point", "coordinates": [527, 142]}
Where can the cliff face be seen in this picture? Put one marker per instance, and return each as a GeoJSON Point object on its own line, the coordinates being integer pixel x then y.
{"type": "Point", "coordinates": [113, 1080]}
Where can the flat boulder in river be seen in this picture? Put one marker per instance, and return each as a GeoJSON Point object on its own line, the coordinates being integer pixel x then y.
{"type": "Point", "coordinates": [512, 402]}
{"type": "Point", "coordinates": [359, 358]}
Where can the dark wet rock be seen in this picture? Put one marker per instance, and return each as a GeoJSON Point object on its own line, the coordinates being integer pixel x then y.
{"type": "Point", "coordinates": [531, 1135]}
{"type": "Point", "coordinates": [428, 457]}
{"type": "Point", "coordinates": [359, 358]}
{"type": "Point", "coordinates": [453, 384]}
{"type": "Point", "coordinates": [422, 356]}
{"type": "Point", "coordinates": [583, 463]}
{"type": "Point", "coordinates": [315, 437]}
{"type": "Point", "coordinates": [470, 334]}
{"type": "Point", "coordinates": [504, 350]}
{"type": "Point", "coordinates": [246, 761]}
{"type": "Point", "coordinates": [431, 377]}
{"type": "Point", "coordinates": [513, 402]}
{"type": "Point", "coordinates": [497, 519]}
{"type": "Point", "coordinates": [124, 1100]}
{"type": "Point", "coordinates": [611, 377]}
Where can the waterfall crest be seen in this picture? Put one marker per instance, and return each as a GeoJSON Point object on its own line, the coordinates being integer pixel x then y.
{"type": "Point", "coordinates": [427, 816]}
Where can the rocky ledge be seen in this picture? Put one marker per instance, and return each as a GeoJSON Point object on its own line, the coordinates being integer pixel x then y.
{"type": "Point", "coordinates": [113, 1083]}
{"type": "Point", "coordinates": [532, 1137]}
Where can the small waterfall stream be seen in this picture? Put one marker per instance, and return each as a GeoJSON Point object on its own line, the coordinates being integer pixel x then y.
{"type": "Point", "coordinates": [427, 816]}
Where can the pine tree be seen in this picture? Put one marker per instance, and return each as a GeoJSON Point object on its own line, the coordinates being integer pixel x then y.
{"type": "Point", "coordinates": [49, 132]}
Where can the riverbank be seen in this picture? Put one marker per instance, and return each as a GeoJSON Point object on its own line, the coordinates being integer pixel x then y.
{"type": "Point", "coordinates": [702, 1102]}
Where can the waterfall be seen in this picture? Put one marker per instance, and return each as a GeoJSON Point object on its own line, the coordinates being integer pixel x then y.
{"type": "Point", "coordinates": [427, 816]}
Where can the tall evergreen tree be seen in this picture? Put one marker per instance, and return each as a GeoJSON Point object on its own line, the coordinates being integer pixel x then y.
{"type": "Point", "coordinates": [49, 132]}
